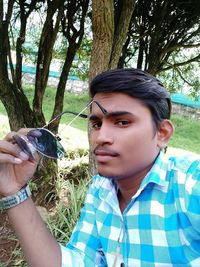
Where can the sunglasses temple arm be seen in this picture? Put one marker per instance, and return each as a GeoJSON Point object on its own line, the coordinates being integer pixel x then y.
{"type": "Point", "coordinates": [80, 114]}
{"type": "Point", "coordinates": [75, 113]}
{"type": "Point", "coordinates": [70, 112]}
{"type": "Point", "coordinates": [60, 115]}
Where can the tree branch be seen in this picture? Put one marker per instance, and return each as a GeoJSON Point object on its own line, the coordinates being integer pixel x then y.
{"type": "Point", "coordinates": [194, 59]}
{"type": "Point", "coordinates": [182, 77]}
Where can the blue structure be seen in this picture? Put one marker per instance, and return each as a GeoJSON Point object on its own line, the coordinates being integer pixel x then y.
{"type": "Point", "coordinates": [182, 99]}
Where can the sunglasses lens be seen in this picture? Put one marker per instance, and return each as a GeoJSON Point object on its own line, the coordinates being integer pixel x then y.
{"type": "Point", "coordinates": [47, 144]}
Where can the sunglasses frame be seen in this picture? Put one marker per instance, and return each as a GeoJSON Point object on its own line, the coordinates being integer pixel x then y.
{"type": "Point", "coordinates": [25, 144]}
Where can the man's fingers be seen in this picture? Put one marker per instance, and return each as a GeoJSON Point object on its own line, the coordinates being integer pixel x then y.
{"type": "Point", "coordinates": [34, 133]}
{"type": "Point", "coordinates": [11, 147]}
{"type": "Point", "coordinates": [24, 131]}
{"type": "Point", "coordinates": [11, 151]}
{"type": "Point", "coordinates": [9, 137]}
{"type": "Point", "coordinates": [7, 147]}
{"type": "Point", "coordinates": [7, 158]}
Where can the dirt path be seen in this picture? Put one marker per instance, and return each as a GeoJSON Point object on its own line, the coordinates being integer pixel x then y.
{"type": "Point", "coordinates": [7, 245]}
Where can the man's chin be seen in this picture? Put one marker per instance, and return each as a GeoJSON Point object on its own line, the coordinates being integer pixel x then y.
{"type": "Point", "coordinates": [111, 176]}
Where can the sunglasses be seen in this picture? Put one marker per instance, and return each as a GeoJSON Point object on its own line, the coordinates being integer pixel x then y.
{"type": "Point", "coordinates": [44, 141]}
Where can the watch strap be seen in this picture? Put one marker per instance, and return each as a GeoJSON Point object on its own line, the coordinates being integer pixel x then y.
{"type": "Point", "coordinates": [16, 199]}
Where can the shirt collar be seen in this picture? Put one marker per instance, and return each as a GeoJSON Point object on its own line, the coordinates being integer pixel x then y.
{"type": "Point", "coordinates": [157, 175]}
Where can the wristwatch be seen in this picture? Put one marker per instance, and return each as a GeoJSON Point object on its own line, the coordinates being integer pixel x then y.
{"type": "Point", "coordinates": [16, 199]}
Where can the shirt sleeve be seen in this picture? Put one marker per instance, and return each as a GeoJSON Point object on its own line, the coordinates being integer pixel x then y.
{"type": "Point", "coordinates": [84, 247]}
{"type": "Point", "coordinates": [192, 194]}
{"type": "Point", "coordinates": [71, 258]}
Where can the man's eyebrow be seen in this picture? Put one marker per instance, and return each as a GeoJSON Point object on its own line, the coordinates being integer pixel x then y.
{"type": "Point", "coordinates": [111, 114]}
{"type": "Point", "coordinates": [93, 117]}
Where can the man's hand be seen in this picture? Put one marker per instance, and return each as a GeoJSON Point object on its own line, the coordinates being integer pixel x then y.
{"type": "Point", "coordinates": [16, 168]}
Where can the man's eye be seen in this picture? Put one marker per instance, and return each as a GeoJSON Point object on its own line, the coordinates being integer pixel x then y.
{"type": "Point", "coordinates": [96, 125]}
{"type": "Point", "coordinates": [123, 123]}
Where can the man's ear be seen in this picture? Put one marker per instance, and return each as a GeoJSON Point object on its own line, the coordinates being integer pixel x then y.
{"type": "Point", "coordinates": [165, 131]}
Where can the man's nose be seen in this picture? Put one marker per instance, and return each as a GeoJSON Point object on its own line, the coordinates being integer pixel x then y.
{"type": "Point", "coordinates": [104, 135]}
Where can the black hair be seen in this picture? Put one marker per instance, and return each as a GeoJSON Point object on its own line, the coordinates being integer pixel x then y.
{"type": "Point", "coordinates": [137, 84]}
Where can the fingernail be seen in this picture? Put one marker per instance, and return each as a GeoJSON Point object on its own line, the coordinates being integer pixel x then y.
{"type": "Point", "coordinates": [23, 155]}
{"type": "Point", "coordinates": [17, 160]}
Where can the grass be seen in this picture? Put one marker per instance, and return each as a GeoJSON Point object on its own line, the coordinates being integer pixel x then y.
{"type": "Point", "coordinates": [186, 135]}
{"type": "Point", "coordinates": [62, 220]}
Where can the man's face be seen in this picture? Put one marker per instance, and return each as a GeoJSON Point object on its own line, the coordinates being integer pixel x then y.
{"type": "Point", "coordinates": [124, 140]}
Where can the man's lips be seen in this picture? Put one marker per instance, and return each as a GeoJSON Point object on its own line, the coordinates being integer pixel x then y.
{"type": "Point", "coordinates": [104, 154]}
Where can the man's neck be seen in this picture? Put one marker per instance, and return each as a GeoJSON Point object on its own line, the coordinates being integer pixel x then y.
{"type": "Point", "coordinates": [125, 193]}
{"type": "Point", "coordinates": [128, 187]}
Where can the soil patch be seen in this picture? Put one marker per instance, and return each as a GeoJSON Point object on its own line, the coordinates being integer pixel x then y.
{"type": "Point", "coordinates": [7, 244]}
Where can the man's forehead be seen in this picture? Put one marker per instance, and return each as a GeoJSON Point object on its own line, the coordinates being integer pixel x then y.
{"type": "Point", "coordinates": [113, 101]}
{"type": "Point", "coordinates": [104, 103]}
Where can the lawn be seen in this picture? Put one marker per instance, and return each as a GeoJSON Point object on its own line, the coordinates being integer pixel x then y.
{"type": "Point", "coordinates": [186, 135]}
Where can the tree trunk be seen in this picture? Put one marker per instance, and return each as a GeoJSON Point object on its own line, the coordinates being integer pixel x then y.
{"type": "Point", "coordinates": [103, 33]}
{"type": "Point", "coordinates": [11, 104]}
{"type": "Point", "coordinates": [121, 29]}
{"type": "Point", "coordinates": [74, 36]}
{"type": "Point", "coordinates": [61, 86]}
{"type": "Point", "coordinates": [47, 41]}
{"type": "Point", "coordinates": [45, 179]}
{"type": "Point", "coordinates": [109, 36]}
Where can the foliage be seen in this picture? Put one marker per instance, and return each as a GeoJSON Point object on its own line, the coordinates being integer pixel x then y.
{"type": "Point", "coordinates": [160, 35]}
{"type": "Point", "coordinates": [63, 219]}
{"type": "Point", "coordinates": [184, 78]}
{"type": "Point", "coordinates": [80, 66]}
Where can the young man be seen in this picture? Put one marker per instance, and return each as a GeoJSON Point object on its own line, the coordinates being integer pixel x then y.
{"type": "Point", "coordinates": [142, 209]}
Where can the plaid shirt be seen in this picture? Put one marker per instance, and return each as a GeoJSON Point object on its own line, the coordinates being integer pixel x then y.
{"type": "Point", "coordinates": [159, 228]}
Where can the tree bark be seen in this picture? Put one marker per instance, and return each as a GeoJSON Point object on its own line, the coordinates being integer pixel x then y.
{"type": "Point", "coordinates": [110, 24]}
{"type": "Point", "coordinates": [103, 33]}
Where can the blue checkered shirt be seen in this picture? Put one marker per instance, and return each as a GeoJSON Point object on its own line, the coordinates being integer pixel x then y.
{"type": "Point", "coordinates": [159, 228]}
